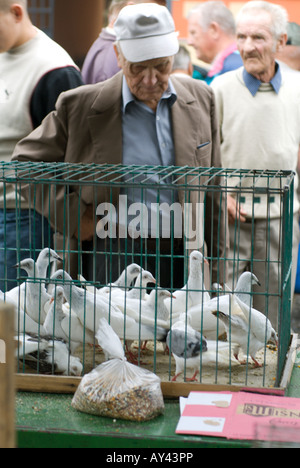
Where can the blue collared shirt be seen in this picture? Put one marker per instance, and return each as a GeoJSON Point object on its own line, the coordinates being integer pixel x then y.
{"type": "Point", "coordinates": [148, 140]}
{"type": "Point", "coordinates": [253, 84]}
{"type": "Point", "coordinates": [147, 135]}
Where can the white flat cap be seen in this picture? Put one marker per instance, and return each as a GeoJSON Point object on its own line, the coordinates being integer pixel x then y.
{"type": "Point", "coordinates": [146, 31]}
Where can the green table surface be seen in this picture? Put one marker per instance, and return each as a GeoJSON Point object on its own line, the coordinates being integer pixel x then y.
{"type": "Point", "coordinates": [48, 420]}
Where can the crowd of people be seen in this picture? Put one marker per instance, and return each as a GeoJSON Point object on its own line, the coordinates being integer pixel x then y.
{"type": "Point", "coordinates": [149, 103]}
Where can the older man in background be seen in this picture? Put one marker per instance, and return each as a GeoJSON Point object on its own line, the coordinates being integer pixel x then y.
{"type": "Point", "coordinates": [211, 28]}
{"type": "Point", "coordinates": [259, 114]}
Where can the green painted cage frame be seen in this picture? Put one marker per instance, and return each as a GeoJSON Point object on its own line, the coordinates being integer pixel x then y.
{"type": "Point", "coordinates": [44, 184]}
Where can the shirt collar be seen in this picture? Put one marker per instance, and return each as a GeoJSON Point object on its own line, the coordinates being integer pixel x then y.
{"type": "Point", "coordinates": [170, 94]}
{"type": "Point", "coordinates": [253, 84]}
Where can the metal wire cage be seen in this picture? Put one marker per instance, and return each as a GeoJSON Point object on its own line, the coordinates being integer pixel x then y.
{"type": "Point", "coordinates": [100, 220]}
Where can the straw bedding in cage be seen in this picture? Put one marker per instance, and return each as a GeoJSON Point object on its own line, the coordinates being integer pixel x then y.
{"type": "Point", "coordinates": [241, 377]}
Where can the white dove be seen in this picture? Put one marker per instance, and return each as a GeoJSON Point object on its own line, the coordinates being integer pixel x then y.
{"type": "Point", "coordinates": [150, 317]}
{"type": "Point", "coordinates": [36, 297]}
{"type": "Point", "coordinates": [247, 327]}
{"type": "Point", "coordinates": [130, 273]}
{"type": "Point", "coordinates": [63, 326]}
{"type": "Point", "coordinates": [201, 316]}
{"type": "Point", "coordinates": [23, 322]}
{"type": "Point", "coordinates": [90, 308]}
{"type": "Point", "coordinates": [202, 320]}
{"type": "Point", "coordinates": [139, 290]}
{"type": "Point", "coordinates": [244, 285]}
{"type": "Point", "coordinates": [155, 306]}
{"type": "Point", "coordinates": [123, 283]}
{"type": "Point", "coordinates": [194, 292]}
{"type": "Point", "coordinates": [46, 257]}
{"type": "Point", "coordinates": [47, 356]}
{"type": "Point", "coordinates": [144, 311]}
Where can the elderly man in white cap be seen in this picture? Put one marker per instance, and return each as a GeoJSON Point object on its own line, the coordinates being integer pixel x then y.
{"type": "Point", "coordinates": [138, 117]}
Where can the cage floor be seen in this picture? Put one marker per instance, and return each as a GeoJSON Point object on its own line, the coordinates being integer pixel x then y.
{"type": "Point", "coordinates": [164, 367]}
{"type": "Point", "coordinates": [161, 364]}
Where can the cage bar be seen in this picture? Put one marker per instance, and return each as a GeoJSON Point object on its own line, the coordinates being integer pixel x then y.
{"type": "Point", "coordinates": [156, 218]}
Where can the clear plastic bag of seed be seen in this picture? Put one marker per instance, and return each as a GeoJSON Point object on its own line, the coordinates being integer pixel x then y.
{"type": "Point", "coordinates": [118, 389]}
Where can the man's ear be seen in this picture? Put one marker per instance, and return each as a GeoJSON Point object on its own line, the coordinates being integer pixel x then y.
{"type": "Point", "coordinates": [119, 56]}
{"type": "Point", "coordinates": [214, 30]}
{"type": "Point", "coordinates": [282, 42]}
{"type": "Point", "coordinates": [17, 11]}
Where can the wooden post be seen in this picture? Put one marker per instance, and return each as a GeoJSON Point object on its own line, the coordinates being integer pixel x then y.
{"type": "Point", "coordinates": [7, 379]}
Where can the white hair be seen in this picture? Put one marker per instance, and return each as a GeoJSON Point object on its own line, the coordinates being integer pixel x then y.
{"type": "Point", "coordinates": [215, 12]}
{"type": "Point", "coordinates": [279, 15]}
{"type": "Point", "coordinates": [182, 59]}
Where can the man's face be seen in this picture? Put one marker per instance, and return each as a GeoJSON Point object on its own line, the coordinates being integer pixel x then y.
{"type": "Point", "coordinates": [201, 40]}
{"type": "Point", "coordinates": [257, 45]}
{"type": "Point", "coordinates": [147, 80]}
{"type": "Point", "coordinates": [8, 31]}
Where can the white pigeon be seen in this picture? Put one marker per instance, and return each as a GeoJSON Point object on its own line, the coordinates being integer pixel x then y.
{"type": "Point", "coordinates": [45, 258]}
{"type": "Point", "coordinates": [123, 283]}
{"type": "Point", "coordinates": [47, 356]}
{"type": "Point", "coordinates": [155, 305]}
{"type": "Point", "coordinates": [204, 321]}
{"type": "Point", "coordinates": [247, 327]}
{"type": "Point", "coordinates": [67, 327]}
{"type": "Point", "coordinates": [194, 292]}
{"type": "Point", "coordinates": [23, 322]}
{"type": "Point", "coordinates": [139, 290]}
{"type": "Point", "coordinates": [129, 302]}
{"type": "Point", "coordinates": [36, 297]}
{"type": "Point", "coordinates": [150, 317]}
{"type": "Point", "coordinates": [128, 276]}
{"type": "Point", "coordinates": [244, 285]}
{"type": "Point", "coordinates": [143, 311]}
{"type": "Point", "coordinates": [27, 343]}
{"type": "Point", "coordinates": [90, 308]}
{"type": "Point", "coordinates": [192, 351]}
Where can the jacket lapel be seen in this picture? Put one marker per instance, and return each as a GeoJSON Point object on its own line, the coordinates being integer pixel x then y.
{"type": "Point", "coordinates": [186, 122]}
{"type": "Point", "coordinates": [105, 122]}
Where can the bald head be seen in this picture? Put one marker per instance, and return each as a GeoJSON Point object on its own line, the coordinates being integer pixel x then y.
{"type": "Point", "coordinates": [5, 5]}
{"type": "Point", "coordinates": [16, 27]}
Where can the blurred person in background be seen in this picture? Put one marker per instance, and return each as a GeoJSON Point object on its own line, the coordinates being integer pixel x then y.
{"type": "Point", "coordinates": [259, 116]}
{"type": "Point", "coordinates": [290, 55]}
{"type": "Point", "coordinates": [211, 28]}
{"type": "Point", "coordinates": [34, 70]}
{"type": "Point", "coordinates": [101, 61]}
{"type": "Point", "coordinates": [182, 65]}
